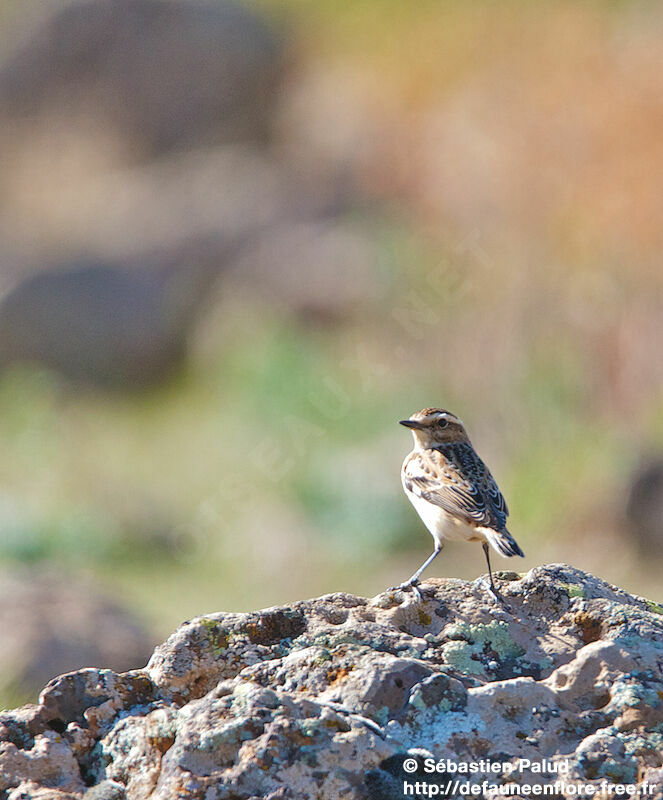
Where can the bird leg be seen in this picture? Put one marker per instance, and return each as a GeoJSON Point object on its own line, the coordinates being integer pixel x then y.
{"type": "Point", "coordinates": [415, 578]}
{"type": "Point", "coordinates": [486, 550]}
{"type": "Point", "coordinates": [493, 589]}
{"type": "Point", "coordinates": [413, 581]}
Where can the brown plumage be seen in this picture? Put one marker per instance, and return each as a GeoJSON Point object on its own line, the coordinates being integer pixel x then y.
{"type": "Point", "coordinates": [452, 489]}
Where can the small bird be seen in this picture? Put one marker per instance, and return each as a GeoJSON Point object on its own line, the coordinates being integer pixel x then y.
{"type": "Point", "coordinates": [452, 489]}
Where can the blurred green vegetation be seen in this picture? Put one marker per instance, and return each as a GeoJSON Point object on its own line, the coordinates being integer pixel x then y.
{"type": "Point", "coordinates": [268, 469]}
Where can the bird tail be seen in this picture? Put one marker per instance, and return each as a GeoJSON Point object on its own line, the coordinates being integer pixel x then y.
{"type": "Point", "coordinates": [504, 543]}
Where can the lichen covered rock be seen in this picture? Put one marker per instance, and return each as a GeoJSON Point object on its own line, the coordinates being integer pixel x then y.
{"type": "Point", "coordinates": [326, 698]}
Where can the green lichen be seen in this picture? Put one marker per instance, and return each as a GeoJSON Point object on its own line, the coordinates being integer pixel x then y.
{"type": "Point", "coordinates": [496, 634]}
{"type": "Point", "coordinates": [619, 771]}
{"type": "Point", "coordinates": [434, 727]}
{"type": "Point", "coordinates": [573, 590]}
{"type": "Point", "coordinates": [636, 743]}
{"type": "Point", "coordinates": [469, 642]}
{"type": "Point", "coordinates": [219, 638]}
{"type": "Point", "coordinates": [632, 641]}
{"type": "Point", "coordinates": [330, 641]}
{"type": "Point", "coordinates": [243, 699]}
{"type": "Point", "coordinates": [508, 575]}
{"type": "Point", "coordinates": [382, 716]}
{"type": "Point", "coordinates": [163, 724]}
{"type": "Point", "coordinates": [232, 732]}
{"type": "Point", "coordinates": [424, 618]}
{"type": "Point", "coordinates": [459, 656]}
{"type": "Point", "coordinates": [417, 701]}
{"type": "Point", "coordinates": [654, 608]}
{"type": "Point", "coordinates": [546, 663]}
{"type": "Point", "coordinates": [323, 657]}
{"type": "Point", "coordinates": [309, 727]}
{"type": "Point", "coordinates": [630, 693]}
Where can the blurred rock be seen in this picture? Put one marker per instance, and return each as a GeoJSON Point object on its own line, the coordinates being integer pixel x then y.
{"type": "Point", "coordinates": [321, 269]}
{"type": "Point", "coordinates": [162, 75]}
{"type": "Point", "coordinates": [326, 698]}
{"type": "Point", "coordinates": [234, 192]}
{"type": "Point", "coordinates": [644, 507]}
{"type": "Point", "coordinates": [115, 325]}
{"type": "Point", "coordinates": [50, 624]}
{"type": "Point", "coordinates": [162, 235]}
{"type": "Point", "coordinates": [139, 127]}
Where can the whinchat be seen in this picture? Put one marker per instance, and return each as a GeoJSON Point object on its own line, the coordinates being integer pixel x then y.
{"type": "Point", "coordinates": [452, 489]}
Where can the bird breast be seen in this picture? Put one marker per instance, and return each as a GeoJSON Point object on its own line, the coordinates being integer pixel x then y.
{"type": "Point", "coordinates": [441, 524]}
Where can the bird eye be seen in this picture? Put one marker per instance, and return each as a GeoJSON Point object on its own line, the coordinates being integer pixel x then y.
{"type": "Point", "coordinates": [443, 423]}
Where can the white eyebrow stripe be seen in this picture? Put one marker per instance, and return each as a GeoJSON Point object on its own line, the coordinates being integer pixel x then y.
{"type": "Point", "coordinates": [450, 417]}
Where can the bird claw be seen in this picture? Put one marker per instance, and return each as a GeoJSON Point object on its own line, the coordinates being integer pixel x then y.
{"type": "Point", "coordinates": [406, 586]}
{"type": "Point", "coordinates": [494, 593]}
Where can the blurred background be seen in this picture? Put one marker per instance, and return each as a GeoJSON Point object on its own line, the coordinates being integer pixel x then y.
{"type": "Point", "coordinates": [239, 242]}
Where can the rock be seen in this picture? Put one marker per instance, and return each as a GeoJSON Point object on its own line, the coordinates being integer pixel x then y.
{"type": "Point", "coordinates": [160, 75]}
{"type": "Point", "coordinates": [229, 219]}
{"type": "Point", "coordinates": [201, 198]}
{"type": "Point", "coordinates": [319, 268]}
{"type": "Point", "coordinates": [109, 323]}
{"type": "Point", "coordinates": [326, 698]}
{"type": "Point", "coordinates": [161, 114]}
{"type": "Point", "coordinates": [50, 624]}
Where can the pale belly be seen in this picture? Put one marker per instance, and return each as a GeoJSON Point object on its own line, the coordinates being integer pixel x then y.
{"type": "Point", "coordinates": [443, 525]}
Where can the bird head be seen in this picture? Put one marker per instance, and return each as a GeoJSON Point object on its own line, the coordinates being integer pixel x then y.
{"type": "Point", "coordinates": [434, 426]}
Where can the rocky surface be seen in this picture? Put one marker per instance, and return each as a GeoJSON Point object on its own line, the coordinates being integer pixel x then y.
{"type": "Point", "coordinates": [326, 698]}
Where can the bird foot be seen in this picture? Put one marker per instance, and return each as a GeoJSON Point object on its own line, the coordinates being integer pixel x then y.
{"type": "Point", "coordinates": [407, 586]}
{"type": "Point", "coordinates": [494, 593]}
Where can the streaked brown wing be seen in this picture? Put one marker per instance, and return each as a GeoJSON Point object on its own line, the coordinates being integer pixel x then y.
{"type": "Point", "coordinates": [455, 478]}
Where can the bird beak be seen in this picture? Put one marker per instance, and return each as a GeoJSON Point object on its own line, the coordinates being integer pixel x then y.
{"type": "Point", "coordinates": [411, 423]}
